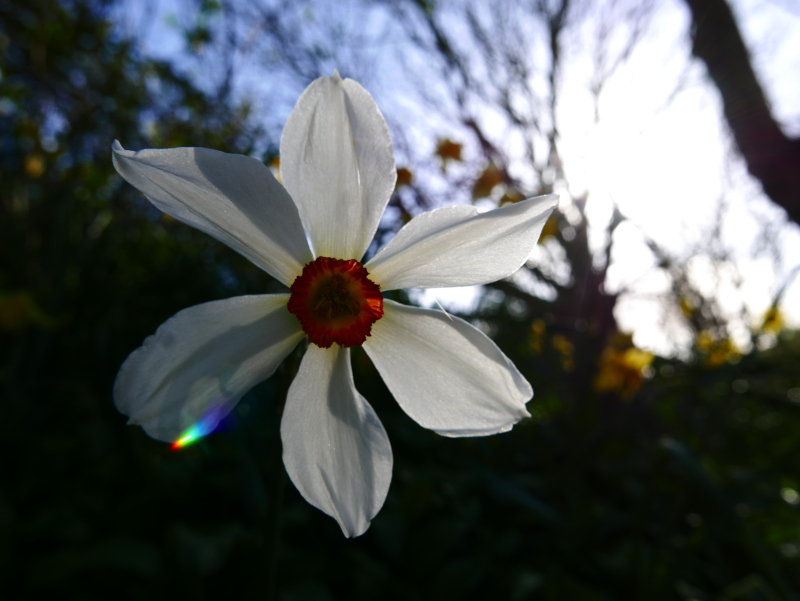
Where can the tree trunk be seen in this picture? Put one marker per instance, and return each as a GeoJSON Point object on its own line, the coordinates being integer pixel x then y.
{"type": "Point", "coordinates": [771, 156]}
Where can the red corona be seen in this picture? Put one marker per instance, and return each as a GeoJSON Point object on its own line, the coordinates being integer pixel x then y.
{"type": "Point", "coordinates": [336, 301]}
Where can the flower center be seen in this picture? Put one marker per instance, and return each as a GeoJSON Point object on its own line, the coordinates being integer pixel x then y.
{"type": "Point", "coordinates": [336, 301]}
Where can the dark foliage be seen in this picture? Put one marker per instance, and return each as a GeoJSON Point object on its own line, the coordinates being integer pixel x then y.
{"type": "Point", "coordinates": [685, 488]}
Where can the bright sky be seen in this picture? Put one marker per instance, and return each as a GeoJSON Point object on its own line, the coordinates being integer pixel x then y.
{"type": "Point", "coordinates": [666, 163]}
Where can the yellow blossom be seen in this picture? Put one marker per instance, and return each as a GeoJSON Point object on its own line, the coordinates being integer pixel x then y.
{"type": "Point", "coordinates": [717, 351]}
{"type": "Point", "coordinates": [773, 321]}
{"type": "Point", "coordinates": [538, 329]}
{"type": "Point", "coordinates": [565, 348]}
{"type": "Point", "coordinates": [34, 165]}
{"type": "Point", "coordinates": [622, 367]}
{"type": "Point", "coordinates": [687, 306]}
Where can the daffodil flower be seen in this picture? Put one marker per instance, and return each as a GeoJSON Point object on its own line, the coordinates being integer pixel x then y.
{"type": "Point", "coordinates": [338, 173]}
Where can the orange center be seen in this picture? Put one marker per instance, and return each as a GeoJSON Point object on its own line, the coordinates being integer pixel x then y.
{"type": "Point", "coordinates": [336, 301]}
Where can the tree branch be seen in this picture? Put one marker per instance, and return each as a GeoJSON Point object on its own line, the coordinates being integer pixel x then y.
{"type": "Point", "coordinates": [771, 156]}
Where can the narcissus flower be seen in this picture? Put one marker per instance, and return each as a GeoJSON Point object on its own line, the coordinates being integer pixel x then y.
{"type": "Point", "coordinates": [338, 173]}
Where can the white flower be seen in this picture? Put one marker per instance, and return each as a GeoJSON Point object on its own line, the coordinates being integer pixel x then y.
{"type": "Point", "coordinates": [338, 172]}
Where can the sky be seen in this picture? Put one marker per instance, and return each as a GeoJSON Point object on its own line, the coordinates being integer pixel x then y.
{"type": "Point", "coordinates": [668, 166]}
{"type": "Point", "coordinates": [658, 148]}
{"type": "Point", "coordinates": [655, 145]}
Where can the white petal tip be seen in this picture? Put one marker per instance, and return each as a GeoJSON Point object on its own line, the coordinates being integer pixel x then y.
{"type": "Point", "coordinates": [479, 432]}
{"type": "Point", "coordinates": [335, 450]}
{"type": "Point", "coordinates": [356, 532]}
{"type": "Point", "coordinates": [336, 75]}
{"type": "Point", "coordinates": [551, 199]}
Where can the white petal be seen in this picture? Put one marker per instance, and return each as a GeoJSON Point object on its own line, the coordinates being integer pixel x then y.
{"type": "Point", "coordinates": [447, 375]}
{"type": "Point", "coordinates": [232, 197]}
{"type": "Point", "coordinates": [338, 164]}
{"type": "Point", "coordinates": [201, 361]}
{"type": "Point", "coordinates": [334, 446]}
{"type": "Point", "coordinates": [457, 246]}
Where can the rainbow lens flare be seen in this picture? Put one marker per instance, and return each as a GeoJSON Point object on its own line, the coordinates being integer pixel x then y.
{"type": "Point", "coordinates": [203, 427]}
{"type": "Point", "coordinates": [191, 435]}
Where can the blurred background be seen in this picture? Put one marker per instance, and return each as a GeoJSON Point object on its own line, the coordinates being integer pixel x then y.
{"type": "Point", "coordinates": [657, 318]}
